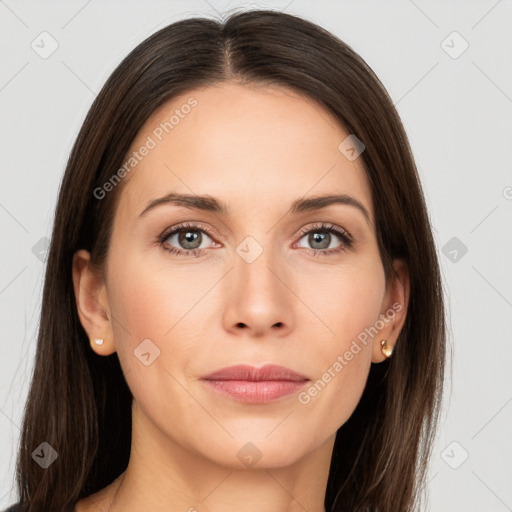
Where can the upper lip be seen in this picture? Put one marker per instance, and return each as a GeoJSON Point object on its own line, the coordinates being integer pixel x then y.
{"type": "Point", "coordinates": [251, 373]}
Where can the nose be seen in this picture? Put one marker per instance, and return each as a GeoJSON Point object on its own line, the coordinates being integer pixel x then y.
{"type": "Point", "coordinates": [258, 299]}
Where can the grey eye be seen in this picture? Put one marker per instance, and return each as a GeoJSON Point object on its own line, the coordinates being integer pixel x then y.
{"type": "Point", "coordinates": [188, 239]}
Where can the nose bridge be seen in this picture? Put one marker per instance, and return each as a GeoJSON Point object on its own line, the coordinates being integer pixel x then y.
{"type": "Point", "coordinates": [256, 264]}
{"type": "Point", "coordinates": [257, 297]}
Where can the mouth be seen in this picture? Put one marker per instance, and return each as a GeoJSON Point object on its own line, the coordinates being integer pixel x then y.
{"type": "Point", "coordinates": [255, 385]}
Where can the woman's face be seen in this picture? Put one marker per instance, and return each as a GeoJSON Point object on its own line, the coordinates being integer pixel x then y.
{"type": "Point", "coordinates": [259, 283]}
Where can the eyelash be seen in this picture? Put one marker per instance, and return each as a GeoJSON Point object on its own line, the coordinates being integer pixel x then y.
{"type": "Point", "coordinates": [347, 242]}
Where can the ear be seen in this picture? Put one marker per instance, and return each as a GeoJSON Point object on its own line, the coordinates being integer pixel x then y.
{"type": "Point", "coordinates": [393, 310]}
{"type": "Point", "coordinates": [92, 303]}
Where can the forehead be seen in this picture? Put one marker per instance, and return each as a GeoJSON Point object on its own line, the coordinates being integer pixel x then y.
{"type": "Point", "coordinates": [242, 143]}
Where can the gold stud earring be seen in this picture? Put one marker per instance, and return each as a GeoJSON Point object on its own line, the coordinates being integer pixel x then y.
{"type": "Point", "coordinates": [386, 349]}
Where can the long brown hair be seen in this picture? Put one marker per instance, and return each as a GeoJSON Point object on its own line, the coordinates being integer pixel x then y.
{"type": "Point", "coordinates": [80, 404]}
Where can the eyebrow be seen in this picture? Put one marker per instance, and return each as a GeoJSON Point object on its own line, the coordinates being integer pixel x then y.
{"type": "Point", "coordinates": [210, 204]}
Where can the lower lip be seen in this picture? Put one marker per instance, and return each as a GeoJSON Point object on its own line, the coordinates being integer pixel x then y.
{"type": "Point", "coordinates": [255, 392]}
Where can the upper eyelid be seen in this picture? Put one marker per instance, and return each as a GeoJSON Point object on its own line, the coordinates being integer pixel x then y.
{"type": "Point", "coordinates": [327, 226]}
{"type": "Point", "coordinates": [190, 225]}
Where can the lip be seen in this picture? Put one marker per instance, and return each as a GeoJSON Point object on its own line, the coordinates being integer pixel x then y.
{"type": "Point", "coordinates": [255, 385]}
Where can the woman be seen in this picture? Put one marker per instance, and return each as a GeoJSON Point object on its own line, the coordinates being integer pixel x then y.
{"type": "Point", "coordinates": [242, 305]}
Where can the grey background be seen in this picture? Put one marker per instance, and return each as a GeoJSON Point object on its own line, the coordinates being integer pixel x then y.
{"type": "Point", "coordinates": [457, 113]}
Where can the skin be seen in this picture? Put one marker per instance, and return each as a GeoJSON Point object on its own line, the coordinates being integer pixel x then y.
{"type": "Point", "coordinates": [256, 148]}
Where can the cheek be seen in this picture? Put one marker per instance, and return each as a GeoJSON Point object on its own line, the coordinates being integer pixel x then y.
{"type": "Point", "coordinates": [156, 303]}
{"type": "Point", "coordinates": [346, 300]}
{"type": "Point", "coordinates": [348, 306]}
{"type": "Point", "coordinates": [153, 301]}
{"type": "Point", "coordinates": [160, 303]}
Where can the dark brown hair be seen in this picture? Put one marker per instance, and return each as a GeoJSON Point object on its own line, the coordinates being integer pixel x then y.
{"type": "Point", "coordinates": [80, 403]}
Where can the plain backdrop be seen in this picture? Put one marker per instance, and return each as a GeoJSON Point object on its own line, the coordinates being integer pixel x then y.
{"type": "Point", "coordinates": [447, 67]}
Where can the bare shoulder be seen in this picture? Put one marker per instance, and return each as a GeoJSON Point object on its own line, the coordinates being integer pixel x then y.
{"type": "Point", "coordinates": [93, 503]}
